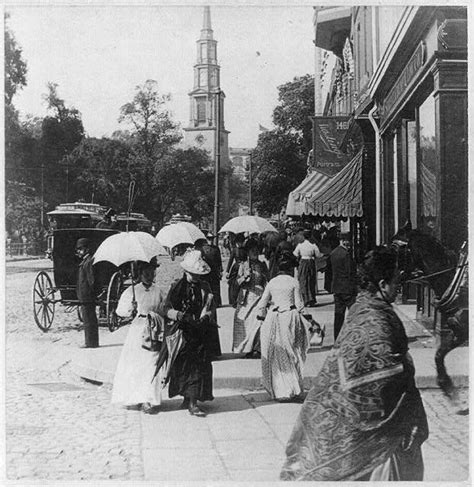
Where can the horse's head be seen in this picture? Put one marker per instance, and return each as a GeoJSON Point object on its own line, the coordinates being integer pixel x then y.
{"type": "Point", "coordinates": [409, 267]}
{"type": "Point", "coordinates": [420, 254]}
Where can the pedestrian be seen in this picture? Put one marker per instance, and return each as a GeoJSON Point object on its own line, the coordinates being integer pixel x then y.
{"type": "Point", "coordinates": [252, 278]}
{"type": "Point", "coordinates": [284, 245]}
{"type": "Point", "coordinates": [190, 303]}
{"type": "Point", "coordinates": [133, 385]}
{"type": "Point", "coordinates": [87, 293]}
{"type": "Point", "coordinates": [329, 243]}
{"type": "Point", "coordinates": [284, 334]}
{"type": "Point", "coordinates": [307, 253]}
{"type": "Point", "coordinates": [212, 256]}
{"type": "Point", "coordinates": [237, 256]}
{"type": "Point", "coordinates": [364, 418]}
{"type": "Point", "coordinates": [344, 280]}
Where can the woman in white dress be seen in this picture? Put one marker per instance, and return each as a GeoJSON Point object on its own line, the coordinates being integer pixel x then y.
{"type": "Point", "coordinates": [133, 386]}
{"type": "Point", "coordinates": [284, 334]}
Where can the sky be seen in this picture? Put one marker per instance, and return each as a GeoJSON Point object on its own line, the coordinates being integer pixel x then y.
{"type": "Point", "coordinates": [98, 55]}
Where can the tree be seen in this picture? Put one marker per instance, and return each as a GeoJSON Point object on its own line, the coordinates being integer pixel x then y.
{"type": "Point", "coordinates": [61, 132]}
{"type": "Point", "coordinates": [99, 169]}
{"type": "Point", "coordinates": [279, 166]}
{"type": "Point", "coordinates": [295, 109]}
{"type": "Point", "coordinates": [15, 66]}
{"type": "Point", "coordinates": [180, 181]}
{"type": "Point", "coordinates": [151, 127]}
{"type": "Point", "coordinates": [280, 154]}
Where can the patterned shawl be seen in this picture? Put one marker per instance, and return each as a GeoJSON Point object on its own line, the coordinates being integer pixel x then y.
{"type": "Point", "coordinates": [363, 403]}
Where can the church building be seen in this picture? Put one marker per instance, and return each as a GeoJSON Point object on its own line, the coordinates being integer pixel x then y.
{"type": "Point", "coordinates": [206, 128]}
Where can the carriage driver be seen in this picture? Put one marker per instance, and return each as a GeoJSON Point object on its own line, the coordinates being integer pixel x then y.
{"type": "Point", "coordinates": [86, 293]}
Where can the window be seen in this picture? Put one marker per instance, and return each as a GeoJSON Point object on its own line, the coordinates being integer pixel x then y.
{"type": "Point", "coordinates": [427, 168]}
{"type": "Point", "coordinates": [201, 110]}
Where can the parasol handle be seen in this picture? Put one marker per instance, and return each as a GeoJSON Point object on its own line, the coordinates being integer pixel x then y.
{"type": "Point", "coordinates": [134, 300]}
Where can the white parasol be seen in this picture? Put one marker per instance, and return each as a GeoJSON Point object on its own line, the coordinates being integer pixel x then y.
{"type": "Point", "coordinates": [128, 247]}
{"type": "Point", "coordinates": [179, 233]}
{"type": "Point", "coordinates": [248, 223]}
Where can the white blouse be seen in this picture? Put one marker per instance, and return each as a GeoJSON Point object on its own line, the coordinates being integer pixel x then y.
{"type": "Point", "coordinates": [283, 292]}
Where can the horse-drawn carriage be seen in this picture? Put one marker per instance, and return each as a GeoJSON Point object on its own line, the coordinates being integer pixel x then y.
{"type": "Point", "coordinates": [109, 279]}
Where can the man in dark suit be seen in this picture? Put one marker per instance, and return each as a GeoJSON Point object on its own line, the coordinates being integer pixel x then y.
{"type": "Point", "coordinates": [344, 284]}
{"type": "Point", "coordinates": [86, 293]}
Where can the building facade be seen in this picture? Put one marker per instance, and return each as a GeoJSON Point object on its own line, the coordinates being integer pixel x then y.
{"type": "Point", "coordinates": [206, 129]}
{"type": "Point", "coordinates": [400, 74]}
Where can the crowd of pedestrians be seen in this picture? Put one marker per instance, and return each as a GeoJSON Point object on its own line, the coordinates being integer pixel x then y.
{"type": "Point", "coordinates": [362, 420]}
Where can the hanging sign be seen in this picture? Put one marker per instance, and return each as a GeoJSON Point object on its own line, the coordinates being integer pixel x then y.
{"type": "Point", "coordinates": [328, 134]}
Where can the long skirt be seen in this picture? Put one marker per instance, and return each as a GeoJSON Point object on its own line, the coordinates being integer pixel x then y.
{"type": "Point", "coordinates": [400, 466]}
{"type": "Point", "coordinates": [233, 284]}
{"type": "Point", "coordinates": [307, 280]}
{"type": "Point", "coordinates": [136, 366]}
{"type": "Point", "coordinates": [191, 374]}
{"type": "Point", "coordinates": [284, 341]}
{"type": "Point", "coordinates": [246, 326]}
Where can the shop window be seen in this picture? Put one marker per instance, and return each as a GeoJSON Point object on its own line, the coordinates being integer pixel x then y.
{"type": "Point", "coordinates": [412, 172]}
{"type": "Point", "coordinates": [427, 169]}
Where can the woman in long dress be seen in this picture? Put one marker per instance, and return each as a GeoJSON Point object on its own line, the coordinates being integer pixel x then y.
{"type": "Point", "coordinates": [252, 278]}
{"type": "Point", "coordinates": [133, 385]}
{"type": "Point", "coordinates": [363, 418]}
{"type": "Point", "coordinates": [237, 256]}
{"type": "Point", "coordinates": [284, 334]}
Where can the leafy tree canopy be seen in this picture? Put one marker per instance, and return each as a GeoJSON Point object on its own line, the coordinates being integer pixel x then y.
{"type": "Point", "coordinates": [150, 124]}
{"type": "Point", "coordinates": [99, 169]}
{"type": "Point", "coordinates": [279, 166]}
{"type": "Point", "coordinates": [296, 106]}
{"type": "Point", "coordinates": [15, 66]}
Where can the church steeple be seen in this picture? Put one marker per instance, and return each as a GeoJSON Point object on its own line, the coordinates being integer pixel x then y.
{"type": "Point", "coordinates": [204, 98]}
{"type": "Point", "coordinates": [206, 31]}
{"type": "Point", "coordinates": [206, 77]}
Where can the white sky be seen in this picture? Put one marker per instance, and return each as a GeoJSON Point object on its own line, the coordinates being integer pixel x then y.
{"type": "Point", "coordinates": [98, 54]}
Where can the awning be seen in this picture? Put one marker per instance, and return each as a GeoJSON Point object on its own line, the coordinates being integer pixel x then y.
{"type": "Point", "coordinates": [305, 191]}
{"type": "Point", "coordinates": [341, 196]}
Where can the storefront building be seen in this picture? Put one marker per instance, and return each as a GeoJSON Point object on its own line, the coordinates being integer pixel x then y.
{"type": "Point", "coordinates": [401, 75]}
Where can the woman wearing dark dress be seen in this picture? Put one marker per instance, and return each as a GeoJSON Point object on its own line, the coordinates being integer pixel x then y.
{"type": "Point", "coordinates": [237, 256]}
{"type": "Point", "coordinates": [191, 306]}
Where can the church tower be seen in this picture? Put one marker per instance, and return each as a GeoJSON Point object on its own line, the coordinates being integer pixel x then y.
{"type": "Point", "coordinates": [205, 112]}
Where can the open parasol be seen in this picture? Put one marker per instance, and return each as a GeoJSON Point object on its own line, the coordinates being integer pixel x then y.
{"type": "Point", "coordinates": [128, 247]}
{"type": "Point", "coordinates": [179, 233]}
{"type": "Point", "coordinates": [248, 223]}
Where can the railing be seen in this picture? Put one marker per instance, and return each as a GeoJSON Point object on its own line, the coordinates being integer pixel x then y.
{"type": "Point", "coordinates": [15, 249]}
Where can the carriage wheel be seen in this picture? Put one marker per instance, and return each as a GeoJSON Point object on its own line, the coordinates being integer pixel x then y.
{"type": "Point", "coordinates": [113, 294]}
{"type": "Point", "coordinates": [43, 301]}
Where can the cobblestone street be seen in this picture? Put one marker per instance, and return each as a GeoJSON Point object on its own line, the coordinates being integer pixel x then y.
{"type": "Point", "coordinates": [59, 427]}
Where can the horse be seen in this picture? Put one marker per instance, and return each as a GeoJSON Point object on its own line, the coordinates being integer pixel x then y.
{"type": "Point", "coordinates": [421, 257]}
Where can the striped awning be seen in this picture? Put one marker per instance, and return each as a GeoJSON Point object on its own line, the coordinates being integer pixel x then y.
{"type": "Point", "coordinates": [305, 191]}
{"type": "Point", "coordinates": [341, 196]}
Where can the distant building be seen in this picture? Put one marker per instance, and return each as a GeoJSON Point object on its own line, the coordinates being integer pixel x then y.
{"type": "Point", "coordinates": [205, 109]}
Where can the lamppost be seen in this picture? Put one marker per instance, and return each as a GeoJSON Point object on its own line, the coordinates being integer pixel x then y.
{"type": "Point", "coordinates": [250, 183]}
{"type": "Point", "coordinates": [217, 162]}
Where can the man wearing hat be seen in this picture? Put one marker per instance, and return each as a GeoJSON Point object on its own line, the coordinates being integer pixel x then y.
{"type": "Point", "coordinates": [344, 284]}
{"type": "Point", "coordinates": [108, 220]}
{"type": "Point", "coordinates": [190, 302]}
{"type": "Point", "coordinates": [86, 293]}
{"type": "Point", "coordinates": [212, 256]}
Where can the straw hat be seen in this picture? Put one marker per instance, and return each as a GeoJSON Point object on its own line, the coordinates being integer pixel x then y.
{"type": "Point", "coordinates": [194, 263]}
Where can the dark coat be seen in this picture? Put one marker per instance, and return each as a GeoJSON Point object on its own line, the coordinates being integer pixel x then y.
{"type": "Point", "coordinates": [191, 372]}
{"type": "Point", "coordinates": [343, 272]}
{"type": "Point", "coordinates": [86, 292]}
